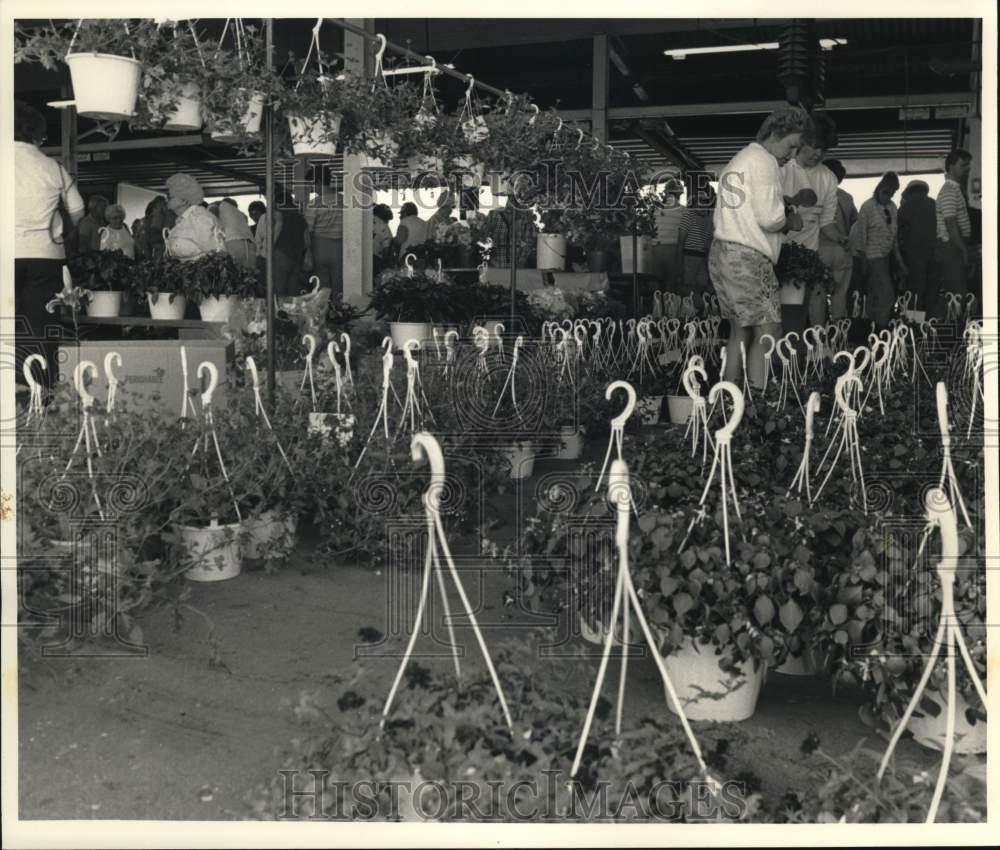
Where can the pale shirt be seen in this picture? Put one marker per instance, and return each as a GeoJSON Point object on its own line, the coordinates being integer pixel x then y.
{"type": "Point", "coordinates": [234, 224]}
{"type": "Point", "coordinates": [750, 209]}
{"type": "Point", "coordinates": [873, 235]}
{"type": "Point", "coordinates": [416, 232]}
{"type": "Point", "coordinates": [325, 220]}
{"type": "Point", "coordinates": [39, 183]}
{"type": "Point", "coordinates": [823, 182]}
{"type": "Point", "coordinates": [117, 240]}
{"type": "Point", "coordinates": [951, 203]}
{"type": "Point", "coordinates": [196, 233]}
{"type": "Point", "coordinates": [668, 224]}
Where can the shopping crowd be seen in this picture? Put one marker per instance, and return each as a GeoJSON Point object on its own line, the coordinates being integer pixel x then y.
{"type": "Point", "coordinates": [779, 191]}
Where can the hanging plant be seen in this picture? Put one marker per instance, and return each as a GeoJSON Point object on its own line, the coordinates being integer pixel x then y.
{"type": "Point", "coordinates": [236, 83]}
{"type": "Point", "coordinates": [48, 45]}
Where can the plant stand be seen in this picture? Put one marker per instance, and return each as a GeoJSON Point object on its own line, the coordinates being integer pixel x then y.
{"type": "Point", "coordinates": [423, 444]}
{"type": "Point", "coordinates": [620, 495]}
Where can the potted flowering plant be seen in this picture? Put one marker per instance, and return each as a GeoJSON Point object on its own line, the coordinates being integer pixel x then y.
{"type": "Point", "coordinates": [379, 117]}
{"type": "Point", "coordinates": [314, 106]}
{"type": "Point", "coordinates": [552, 244]}
{"type": "Point", "coordinates": [453, 244]}
{"type": "Point", "coordinates": [105, 59]}
{"type": "Point", "coordinates": [715, 623]}
{"type": "Point", "coordinates": [162, 283]}
{"type": "Point", "coordinates": [412, 304]}
{"type": "Point", "coordinates": [173, 74]}
{"type": "Point", "coordinates": [424, 140]}
{"type": "Point", "coordinates": [106, 275]}
{"type": "Point", "coordinates": [236, 84]}
{"type": "Point", "coordinates": [215, 284]}
{"type": "Point", "coordinates": [799, 272]}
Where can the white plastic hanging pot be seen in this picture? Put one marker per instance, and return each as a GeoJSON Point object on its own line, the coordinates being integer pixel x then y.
{"type": "Point", "coordinates": [104, 305]}
{"type": "Point", "coordinates": [550, 251]}
{"type": "Point", "coordinates": [792, 296]}
{"type": "Point", "coordinates": [401, 332]}
{"type": "Point", "coordinates": [425, 164]}
{"type": "Point", "coordinates": [522, 460]}
{"type": "Point", "coordinates": [572, 443]}
{"type": "Point", "coordinates": [269, 533]}
{"type": "Point", "coordinates": [249, 123]}
{"type": "Point", "coordinates": [314, 136]}
{"type": "Point", "coordinates": [187, 115]}
{"type": "Point", "coordinates": [105, 87]}
{"type": "Point", "coordinates": [680, 408]}
{"type": "Point", "coordinates": [645, 246]}
{"type": "Point", "coordinates": [161, 307]}
{"type": "Point", "coordinates": [929, 731]}
{"type": "Point", "coordinates": [212, 552]}
{"type": "Point", "coordinates": [705, 691]}
{"type": "Point", "coordinates": [217, 309]}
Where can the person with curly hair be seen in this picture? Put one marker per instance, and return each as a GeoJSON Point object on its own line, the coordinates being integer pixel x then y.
{"type": "Point", "coordinates": [197, 232]}
{"type": "Point", "coordinates": [750, 219]}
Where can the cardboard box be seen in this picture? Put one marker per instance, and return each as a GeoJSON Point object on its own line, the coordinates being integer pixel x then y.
{"type": "Point", "coordinates": [151, 374]}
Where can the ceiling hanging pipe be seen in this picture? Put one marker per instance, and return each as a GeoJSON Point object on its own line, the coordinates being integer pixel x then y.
{"type": "Point", "coordinates": [800, 64]}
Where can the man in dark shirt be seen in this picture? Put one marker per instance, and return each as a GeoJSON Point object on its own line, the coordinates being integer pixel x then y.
{"type": "Point", "coordinates": [917, 238]}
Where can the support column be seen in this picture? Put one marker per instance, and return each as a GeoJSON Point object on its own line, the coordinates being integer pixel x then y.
{"type": "Point", "coordinates": [67, 120]}
{"type": "Point", "coordinates": [357, 189]}
{"type": "Point", "coordinates": [974, 125]}
{"type": "Point", "coordinates": [599, 89]}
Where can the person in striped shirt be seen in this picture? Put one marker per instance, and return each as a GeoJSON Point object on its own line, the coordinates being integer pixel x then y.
{"type": "Point", "coordinates": [694, 238]}
{"type": "Point", "coordinates": [953, 227]}
{"type": "Point", "coordinates": [875, 239]}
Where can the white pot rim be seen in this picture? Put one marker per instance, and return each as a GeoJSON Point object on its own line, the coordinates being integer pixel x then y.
{"type": "Point", "coordinates": [98, 55]}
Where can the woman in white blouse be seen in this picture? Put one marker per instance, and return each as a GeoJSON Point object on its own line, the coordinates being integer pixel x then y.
{"type": "Point", "coordinates": [41, 184]}
{"type": "Point", "coordinates": [751, 215]}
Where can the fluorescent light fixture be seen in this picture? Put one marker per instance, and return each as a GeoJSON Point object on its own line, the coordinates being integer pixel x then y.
{"type": "Point", "coordinates": [684, 52]}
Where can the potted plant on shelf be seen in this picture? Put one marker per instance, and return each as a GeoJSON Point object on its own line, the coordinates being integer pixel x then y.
{"type": "Point", "coordinates": [412, 302]}
{"type": "Point", "coordinates": [105, 59]}
{"type": "Point", "coordinates": [162, 282]}
{"type": "Point", "coordinates": [551, 248]}
{"type": "Point", "coordinates": [636, 213]}
{"type": "Point", "coordinates": [586, 228]}
{"type": "Point", "coordinates": [106, 274]}
{"type": "Point", "coordinates": [215, 284]}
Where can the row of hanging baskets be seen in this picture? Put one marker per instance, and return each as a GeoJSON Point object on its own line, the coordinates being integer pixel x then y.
{"type": "Point", "coordinates": [209, 75]}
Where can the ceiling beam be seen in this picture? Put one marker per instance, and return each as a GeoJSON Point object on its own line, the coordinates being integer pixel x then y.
{"type": "Point", "coordinates": [133, 144]}
{"type": "Point", "coordinates": [468, 34]}
{"type": "Point", "coordinates": [670, 149]}
{"type": "Point", "coordinates": [751, 107]}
